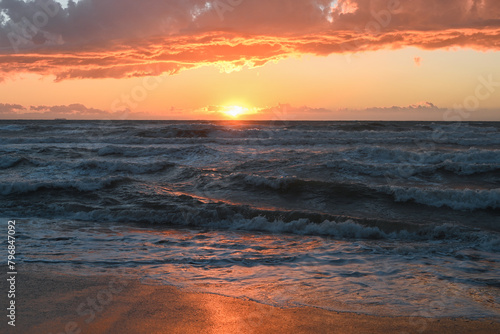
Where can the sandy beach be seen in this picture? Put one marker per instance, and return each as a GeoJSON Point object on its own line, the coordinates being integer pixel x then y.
{"type": "Point", "coordinates": [48, 302]}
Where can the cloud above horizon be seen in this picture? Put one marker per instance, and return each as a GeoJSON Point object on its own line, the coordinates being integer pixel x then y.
{"type": "Point", "coordinates": [280, 112]}
{"type": "Point", "coordinates": [128, 38]}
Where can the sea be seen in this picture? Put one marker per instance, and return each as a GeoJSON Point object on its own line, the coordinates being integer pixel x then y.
{"type": "Point", "coordinates": [379, 218]}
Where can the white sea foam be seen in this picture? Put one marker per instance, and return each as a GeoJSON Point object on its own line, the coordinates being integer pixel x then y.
{"type": "Point", "coordinates": [458, 199]}
{"type": "Point", "coordinates": [378, 160]}
{"type": "Point", "coordinates": [348, 229]}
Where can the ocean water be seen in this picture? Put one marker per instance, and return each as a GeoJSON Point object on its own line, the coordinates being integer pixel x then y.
{"type": "Point", "coordinates": [385, 218]}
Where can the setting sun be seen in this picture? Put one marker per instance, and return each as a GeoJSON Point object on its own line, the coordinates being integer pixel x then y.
{"type": "Point", "coordinates": [235, 111]}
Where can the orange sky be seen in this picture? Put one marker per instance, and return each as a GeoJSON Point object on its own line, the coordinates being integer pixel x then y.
{"type": "Point", "coordinates": [249, 59]}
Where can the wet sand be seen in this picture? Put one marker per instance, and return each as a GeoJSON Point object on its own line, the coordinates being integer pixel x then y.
{"type": "Point", "coordinates": [51, 302]}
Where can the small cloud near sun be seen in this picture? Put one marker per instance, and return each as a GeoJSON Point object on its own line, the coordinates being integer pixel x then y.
{"type": "Point", "coordinates": [417, 60]}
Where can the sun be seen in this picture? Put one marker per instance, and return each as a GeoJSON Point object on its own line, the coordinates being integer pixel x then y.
{"type": "Point", "coordinates": [234, 111]}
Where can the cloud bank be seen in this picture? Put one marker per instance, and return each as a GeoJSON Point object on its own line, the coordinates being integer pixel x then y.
{"type": "Point", "coordinates": [129, 38]}
{"type": "Point", "coordinates": [280, 112]}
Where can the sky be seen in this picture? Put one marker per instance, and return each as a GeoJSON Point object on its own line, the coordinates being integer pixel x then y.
{"type": "Point", "coordinates": [250, 59]}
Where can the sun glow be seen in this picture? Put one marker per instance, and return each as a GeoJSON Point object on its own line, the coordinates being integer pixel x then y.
{"type": "Point", "coordinates": [235, 111]}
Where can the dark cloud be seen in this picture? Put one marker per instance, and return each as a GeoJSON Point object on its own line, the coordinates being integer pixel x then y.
{"type": "Point", "coordinates": [10, 108]}
{"type": "Point", "coordinates": [126, 38]}
{"type": "Point", "coordinates": [72, 111]}
{"type": "Point", "coordinates": [423, 106]}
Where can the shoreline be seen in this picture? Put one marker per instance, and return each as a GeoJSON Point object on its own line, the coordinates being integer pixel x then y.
{"type": "Point", "coordinates": [52, 302]}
